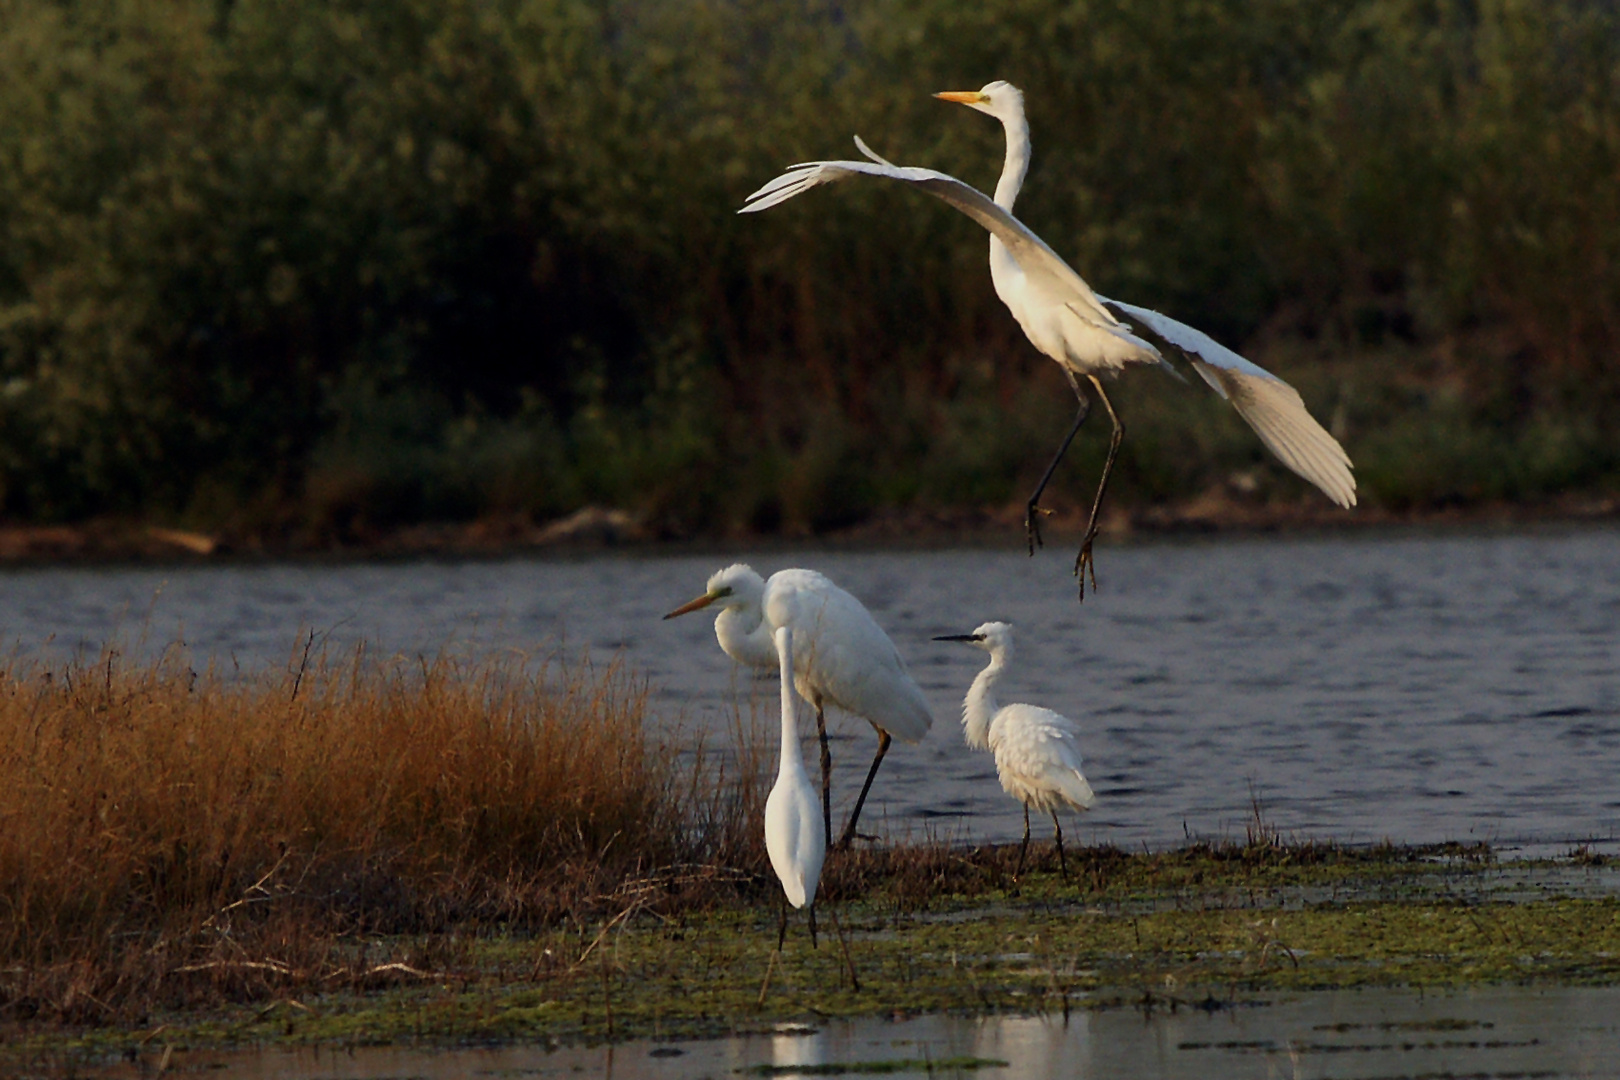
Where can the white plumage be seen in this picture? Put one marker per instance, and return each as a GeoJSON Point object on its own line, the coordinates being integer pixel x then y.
{"type": "Point", "coordinates": [1085, 333]}
{"type": "Point", "coordinates": [1037, 751]}
{"type": "Point", "coordinates": [794, 836]}
{"type": "Point", "coordinates": [842, 657]}
{"type": "Point", "coordinates": [1038, 758]}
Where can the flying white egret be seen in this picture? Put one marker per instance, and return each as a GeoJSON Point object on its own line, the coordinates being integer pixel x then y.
{"type": "Point", "coordinates": [795, 835]}
{"type": "Point", "coordinates": [1085, 333]}
{"type": "Point", "coordinates": [843, 657]}
{"type": "Point", "coordinates": [1037, 750]}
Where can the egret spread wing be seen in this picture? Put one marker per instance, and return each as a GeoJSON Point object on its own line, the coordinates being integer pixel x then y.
{"type": "Point", "coordinates": [1270, 406]}
{"type": "Point", "coordinates": [1044, 268]}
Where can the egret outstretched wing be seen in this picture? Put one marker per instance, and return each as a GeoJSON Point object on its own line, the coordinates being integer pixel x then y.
{"type": "Point", "coordinates": [1270, 406]}
{"type": "Point", "coordinates": [1044, 268]}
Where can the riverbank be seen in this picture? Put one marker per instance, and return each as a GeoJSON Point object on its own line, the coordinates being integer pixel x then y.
{"type": "Point", "coordinates": [1217, 512]}
{"type": "Point", "coordinates": [928, 929]}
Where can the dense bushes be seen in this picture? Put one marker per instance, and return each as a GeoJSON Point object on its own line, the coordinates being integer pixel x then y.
{"type": "Point", "coordinates": [274, 263]}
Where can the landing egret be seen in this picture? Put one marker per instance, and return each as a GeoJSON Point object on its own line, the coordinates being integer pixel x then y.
{"type": "Point", "coordinates": [796, 847]}
{"type": "Point", "coordinates": [1037, 750]}
{"type": "Point", "coordinates": [1082, 331]}
{"type": "Point", "coordinates": [843, 657]}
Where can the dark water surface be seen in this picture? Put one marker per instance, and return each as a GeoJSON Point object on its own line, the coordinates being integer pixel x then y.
{"type": "Point", "coordinates": [1492, 1032]}
{"type": "Point", "coordinates": [1411, 687]}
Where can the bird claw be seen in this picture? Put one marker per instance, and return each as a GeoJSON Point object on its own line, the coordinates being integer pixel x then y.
{"type": "Point", "coordinates": [1083, 563]}
{"type": "Point", "coordinates": [1032, 526]}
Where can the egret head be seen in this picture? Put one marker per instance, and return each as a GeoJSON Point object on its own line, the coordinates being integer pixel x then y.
{"type": "Point", "coordinates": [1000, 99]}
{"type": "Point", "coordinates": [993, 637]}
{"type": "Point", "coordinates": [735, 586]}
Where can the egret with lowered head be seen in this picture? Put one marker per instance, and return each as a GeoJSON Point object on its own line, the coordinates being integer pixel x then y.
{"type": "Point", "coordinates": [1089, 335]}
{"type": "Point", "coordinates": [841, 656]}
{"type": "Point", "coordinates": [794, 831]}
{"type": "Point", "coordinates": [1037, 750]}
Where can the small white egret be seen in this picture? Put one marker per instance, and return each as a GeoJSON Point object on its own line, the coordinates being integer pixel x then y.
{"type": "Point", "coordinates": [1037, 750]}
{"type": "Point", "coordinates": [794, 836]}
{"type": "Point", "coordinates": [842, 657]}
{"type": "Point", "coordinates": [1085, 333]}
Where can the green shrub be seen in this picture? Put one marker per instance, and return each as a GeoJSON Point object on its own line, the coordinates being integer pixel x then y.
{"type": "Point", "coordinates": [402, 259]}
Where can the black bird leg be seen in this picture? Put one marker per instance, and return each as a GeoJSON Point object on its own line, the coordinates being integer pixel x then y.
{"type": "Point", "coordinates": [1058, 832]}
{"type": "Point", "coordinates": [1024, 849]}
{"type": "Point", "coordinates": [826, 776]}
{"type": "Point", "coordinates": [1032, 523]}
{"type": "Point", "coordinates": [849, 830]}
{"type": "Point", "coordinates": [1084, 561]}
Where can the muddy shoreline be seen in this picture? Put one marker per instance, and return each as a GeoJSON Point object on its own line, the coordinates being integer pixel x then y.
{"type": "Point", "coordinates": [594, 529]}
{"type": "Point", "coordinates": [1202, 928]}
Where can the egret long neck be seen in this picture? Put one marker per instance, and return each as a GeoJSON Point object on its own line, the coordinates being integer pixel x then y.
{"type": "Point", "coordinates": [979, 707]}
{"type": "Point", "coordinates": [792, 760]}
{"type": "Point", "coordinates": [1004, 269]}
{"type": "Point", "coordinates": [1017, 163]}
{"type": "Point", "coordinates": [745, 637]}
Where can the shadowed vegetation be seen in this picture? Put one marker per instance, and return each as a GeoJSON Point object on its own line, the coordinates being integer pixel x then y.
{"type": "Point", "coordinates": [307, 270]}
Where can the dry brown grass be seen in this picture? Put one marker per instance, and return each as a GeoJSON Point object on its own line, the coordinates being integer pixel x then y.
{"type": "Point", "coordinates": [170, 837]}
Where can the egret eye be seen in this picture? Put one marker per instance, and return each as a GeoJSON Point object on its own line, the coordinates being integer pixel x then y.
{"type": "Point", "coordinates": [724, 590]}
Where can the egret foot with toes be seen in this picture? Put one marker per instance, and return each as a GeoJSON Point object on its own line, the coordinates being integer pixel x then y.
{"type": "Point", "coordinates": [1032, 526]}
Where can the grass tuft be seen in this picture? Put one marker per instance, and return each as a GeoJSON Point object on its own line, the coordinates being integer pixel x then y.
{"type": "Point", "coordinates": [178, 838]}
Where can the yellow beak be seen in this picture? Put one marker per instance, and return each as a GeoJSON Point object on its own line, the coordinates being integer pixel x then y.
{"type": "Point", "coordinates": [693, 605]}
{"type": "Point", "coordinates": [961, 97]}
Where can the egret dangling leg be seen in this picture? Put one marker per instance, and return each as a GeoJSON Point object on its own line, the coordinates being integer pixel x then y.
{"type": "Point", "coordinates": [826, 775]}
{"type": "Point", "coordinates": [1083, 561]}
{"type": "Point", "coordinates": [1023, 848]}
{"type": "Point", "coordinates": [781, 926]}
{"type": "Point", "coordinates": [1056, 825]}
{"type": "Point", "coordinates": [814, 944]}
{"type": "Point", "coordinates": [849, 830]}
{"type": "Point", "coordinates": [1032, 524]}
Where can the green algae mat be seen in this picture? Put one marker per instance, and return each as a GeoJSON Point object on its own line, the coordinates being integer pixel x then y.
{"type": "Point", "coordinates": [1198, 928]}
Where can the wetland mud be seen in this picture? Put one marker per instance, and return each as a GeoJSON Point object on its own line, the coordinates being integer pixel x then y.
{"type": "Point", "coordinates": [1253, 954]}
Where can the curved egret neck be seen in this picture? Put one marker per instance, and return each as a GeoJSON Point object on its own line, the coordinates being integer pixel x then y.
{"type": "Point", "coordinates": [979, 707]}
{"type": "Point", "coordinates": [745, 637]}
